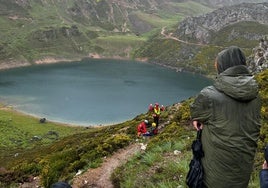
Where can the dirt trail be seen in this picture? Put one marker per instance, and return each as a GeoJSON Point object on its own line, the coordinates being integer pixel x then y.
{"type": "Point", "coordinates": [169, 36]}
{"type": "Point", "coordinates": [100, 177]}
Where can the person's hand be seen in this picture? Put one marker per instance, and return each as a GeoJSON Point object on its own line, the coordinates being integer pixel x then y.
{"type": "Point", "coordinates": [197, 125]}
{"type": "Point", "coordinates": [264, 165]}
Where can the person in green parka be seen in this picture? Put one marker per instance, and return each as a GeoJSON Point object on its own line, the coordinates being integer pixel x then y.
{"type": "Point", "coordinates": [229, 114]}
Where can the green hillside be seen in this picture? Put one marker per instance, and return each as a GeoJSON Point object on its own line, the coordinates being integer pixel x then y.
{"type": "Point", "coordinates": [159, 167]}
{"type": "Point", "coordinates": [241, 31]}
{"type": "Point", "coordinates": [195, 57]}
{"type": "Point", "coordinates": [193, 43]}
{"type": "Point", "coordinates": [33, 30]}
{"type": "Point", "coordinates": [79, 148]}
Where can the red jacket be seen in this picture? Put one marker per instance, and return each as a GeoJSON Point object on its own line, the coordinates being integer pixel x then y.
{"type": "Point", "coordinates": [141, 128]}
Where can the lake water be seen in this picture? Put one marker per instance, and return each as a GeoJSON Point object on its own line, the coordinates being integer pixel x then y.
{"type": "Point", "coordinates": [93, 92]}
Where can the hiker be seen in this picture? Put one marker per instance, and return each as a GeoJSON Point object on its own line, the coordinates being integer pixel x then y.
{"type": "Point", "coordinates": [156, 112]}
{"type": "Point", "coordinates": [229, 114]}
{"type": "Point", "coordinates": [141, 129]}
{"type": "Point", "coordinates": [264, 170]}
{"type": "Point", "coordinates": [154, 129]}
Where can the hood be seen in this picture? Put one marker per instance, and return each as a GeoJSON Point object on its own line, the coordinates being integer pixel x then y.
{"type": "Point", "coordinates": [238, 83]}
{"type": "Point", "coordinates": [230, 57]}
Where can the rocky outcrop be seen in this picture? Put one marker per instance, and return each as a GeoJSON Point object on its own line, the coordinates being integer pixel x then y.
{"type": "Point", "coordinates": [51, 33]}
{"type": "Point", "coordinates": [201, 28]}
{"type": "Point", "coordinates": [258, 61]}
{"type": "Point", "coordinates": [116, 15]}
{"type": "Point", "coordinates": [222, 3]}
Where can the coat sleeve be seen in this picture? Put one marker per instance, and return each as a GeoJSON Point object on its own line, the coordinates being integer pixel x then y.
{"type": "Point", "coordinates": [264, 178]}
{"type": "Point", "coordinates": [201, 108]}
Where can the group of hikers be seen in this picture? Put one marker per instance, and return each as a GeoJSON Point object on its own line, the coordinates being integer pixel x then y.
{"type": "Point", "coordinates": [146, 128]}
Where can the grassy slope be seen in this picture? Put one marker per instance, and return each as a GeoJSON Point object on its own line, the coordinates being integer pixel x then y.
{"type": "Point", "coordinates": [174, 53]}
{"type": "Point", "coordinates": [18, 131]}
{"type": "Point", "coordinates": [243, 30]}
{"type": "Point", "coordinates": [21, 35]}
{"type": "Point", "coordinates": [19, 31]}
{"type": "Point", "coordinates": [160, 167]}
{"type": "Point", "coordinates": [61, 159]}
{"type": "Point", "coordinates": [166, 18]}
{"type": "Point", "coordinates": [54, 157]}
{"type": "Point", "coordinates": [118, 45]}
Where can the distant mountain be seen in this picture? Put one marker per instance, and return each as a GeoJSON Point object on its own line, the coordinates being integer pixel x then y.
{"type": "Point", "coordinates": [195, 42]}
{"type": "Point", "coordinates": [201, 28]}
{"type": "Point", "coordinates": [222, 3]}
{"type": "Point", "coordinates": [63, 29]}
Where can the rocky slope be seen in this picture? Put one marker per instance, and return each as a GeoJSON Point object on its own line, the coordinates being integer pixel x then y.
{"type": "Point", "coordinates": [195, 42]}
{"type": "Point", "coordinates": [222, 3]}
{"type": "Point", "coordinates": [115, 15]}
{"type": "Point", "coordinates": [201, 28]}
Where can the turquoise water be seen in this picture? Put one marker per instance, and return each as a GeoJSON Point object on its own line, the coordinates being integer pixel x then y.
{"type": "Point", "coordinates": [93, 92]}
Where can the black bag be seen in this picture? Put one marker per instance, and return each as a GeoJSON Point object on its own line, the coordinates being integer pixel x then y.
{"type": "Point", "coordinates": [194, 178]}
{"type": "Point", "coordinates": [266, 153]}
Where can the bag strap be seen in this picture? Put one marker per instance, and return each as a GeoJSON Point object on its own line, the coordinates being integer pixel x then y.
{"type": "Point", "coordinates": [198, 135]}
{"type": "Point", "coordinates": [199, 131]}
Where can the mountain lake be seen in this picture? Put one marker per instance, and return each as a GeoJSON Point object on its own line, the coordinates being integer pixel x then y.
{"type": "Point", "coordinates": [95, 91]}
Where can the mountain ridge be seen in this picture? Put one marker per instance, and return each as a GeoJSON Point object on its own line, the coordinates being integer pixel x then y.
{"type": "Point", "coordinates": [33, 30]}
{"type": "Point", "coordinates": [199, 28]}
{"type": "Point", "coordinates": [197, 44]}
{"type": "Point", "coordinates": [48, 31]}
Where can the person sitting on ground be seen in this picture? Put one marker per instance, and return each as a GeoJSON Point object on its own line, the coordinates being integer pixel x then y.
{"type": "Point", "coordinates": [141, 129]}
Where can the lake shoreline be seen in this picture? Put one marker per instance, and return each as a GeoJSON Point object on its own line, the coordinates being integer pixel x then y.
{"type": "Point", "coordinates": [63, 61]}
{"type": "Point", "coordinates": [52, 60]}
{"type": "Point", "coordinates": [10, 108]}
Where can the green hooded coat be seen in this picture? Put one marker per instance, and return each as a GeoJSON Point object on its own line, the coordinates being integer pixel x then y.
{"type": "Point", "coordinates": [230, 113]}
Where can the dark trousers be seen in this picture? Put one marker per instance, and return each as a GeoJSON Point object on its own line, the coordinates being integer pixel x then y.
{"type": "Point", "coordinates": [156, 120]}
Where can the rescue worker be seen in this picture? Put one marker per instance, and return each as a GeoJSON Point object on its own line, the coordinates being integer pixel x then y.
{"type": "Point", "coordinates": [141, 129]}
{"type": "Point", "coordinates": [156, 112]}
{"type": "Point", "coordinates": [154, 129]}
